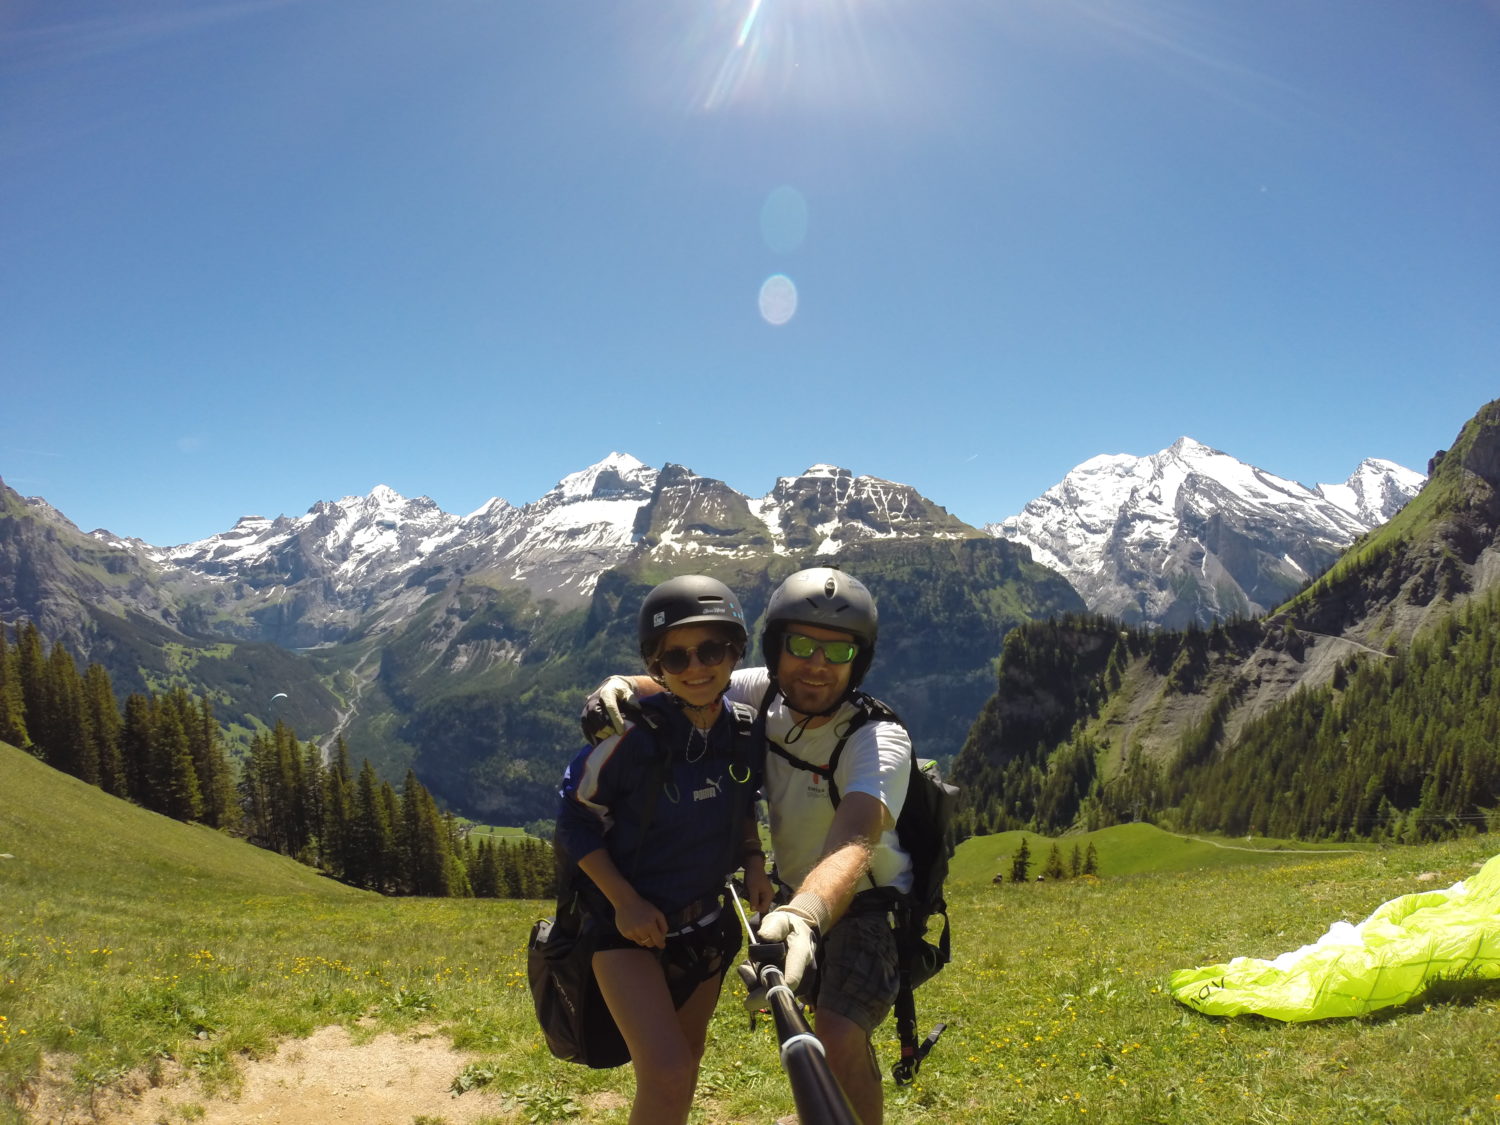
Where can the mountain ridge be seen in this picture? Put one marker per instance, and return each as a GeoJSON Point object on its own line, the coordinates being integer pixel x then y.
{"type": "Point", "coordinates": [459, 645]}
{"type": "Point", "coordinates": [1191, 535]}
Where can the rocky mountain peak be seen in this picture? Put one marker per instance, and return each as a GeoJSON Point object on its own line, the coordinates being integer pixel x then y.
{"type": "Point", "coordinates": [616, 477]}
{"type": "Point", "coordinates": [1192, 534]}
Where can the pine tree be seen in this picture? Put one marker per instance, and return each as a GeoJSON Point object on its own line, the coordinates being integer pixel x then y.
{"type": "Point", "coordinates": [1053, 870]}
{"type": "Point", "coordinates": [31, 668]}
{"type": "Point", "coordinates": [105, 728]}
{"type": "Point", "coordinates": [484, 872]}
{"type": "Point", "coordinates": [1091, 860]}
{"type": "Point", "coordinates": [1020, 864]}
{"type": "Point", "coordinates": [136, 737]}
{"type": "Point", "coordinates": [313, 801]}
{"type": "Point", "coordinates": [12, 705]}
{"type": "Point", "coordinates": [424, 842]}
{"type": "Point", "coordinates": [215, 775]}
{"type": "Point", "coordinates": [338, 812]}
{"type": "Point", "coordinates": [67, 743]}
{"type": "Point", "coordinates": [176, 793]}
{"type": "Point", "coordinates": [508, 858]}
{"type": "Point", "coordinates": [1075, 863]}
{"type": "Point", "coordinates": [372, 839]}
{"type": "Point", "coordinates": [257, 792]}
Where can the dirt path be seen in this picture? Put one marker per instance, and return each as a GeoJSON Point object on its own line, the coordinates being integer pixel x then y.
{"type": "Point", "coordinates": [1273, 851]}
{"type": "Point", "coordinates": [326, 1078]}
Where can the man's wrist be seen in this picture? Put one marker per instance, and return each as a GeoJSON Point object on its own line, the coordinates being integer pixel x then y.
{"type": "Point", "coordinates": [810, 905]}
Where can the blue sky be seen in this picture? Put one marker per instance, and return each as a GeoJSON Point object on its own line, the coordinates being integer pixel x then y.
{"type": "Point", "coordinates": [258, 253]}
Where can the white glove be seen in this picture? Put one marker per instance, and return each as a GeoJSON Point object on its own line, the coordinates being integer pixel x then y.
{"type": "Point", "coordinates": [606, 710]}
{"type": "Point", "coordinates": [800, 924]}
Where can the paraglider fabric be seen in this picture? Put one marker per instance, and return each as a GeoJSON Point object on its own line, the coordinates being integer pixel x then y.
{"type": "Point", "coordinates": [1393, 956]}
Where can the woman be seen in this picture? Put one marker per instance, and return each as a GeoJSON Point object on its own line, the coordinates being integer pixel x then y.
{"type": "Point", "coordinates": [656, 818]}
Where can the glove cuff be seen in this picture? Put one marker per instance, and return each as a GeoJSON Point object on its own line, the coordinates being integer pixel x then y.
{"type": "Point", "coordinates": [806, 904]}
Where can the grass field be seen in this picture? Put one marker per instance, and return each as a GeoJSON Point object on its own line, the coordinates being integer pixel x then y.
{"type": "Point", "coordinates": [126, 939]}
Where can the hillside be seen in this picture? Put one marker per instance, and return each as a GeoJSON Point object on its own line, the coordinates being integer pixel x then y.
{"type": "Point", "coordinates": [155, 973]}
{"type": "Point", "coordinates": [48, 820]}
{"type": "Point", "coordinates": [1233, 727]}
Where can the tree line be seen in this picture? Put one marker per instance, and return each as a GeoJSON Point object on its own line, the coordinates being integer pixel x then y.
{"type": "Point", "coordinates": [1055, 869]}
{"type": "Point", "coordinates": [166, 752]}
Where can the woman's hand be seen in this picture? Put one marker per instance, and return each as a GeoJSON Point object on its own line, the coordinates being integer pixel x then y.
{"type": "Point", "coordinates": [758, 888]}
{"type": "Point", "coordinates": [642, 923]}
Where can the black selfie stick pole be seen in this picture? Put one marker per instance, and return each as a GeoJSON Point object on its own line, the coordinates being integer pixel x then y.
{"type": "Point", "coordinates": [819, 1097]}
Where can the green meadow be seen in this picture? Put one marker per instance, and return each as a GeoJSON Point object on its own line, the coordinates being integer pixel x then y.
{"type": "Point", "coordinates": [130, 943]}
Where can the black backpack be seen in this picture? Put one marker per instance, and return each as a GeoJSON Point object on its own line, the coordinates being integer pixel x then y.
{"type": "Point", "coordinates": [923, 827]}
{"type": "Point", "coordinates": [574, 1018]}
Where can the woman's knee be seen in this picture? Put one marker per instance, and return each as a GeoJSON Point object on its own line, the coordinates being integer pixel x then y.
{"type": "Point", "coordinates": [675, 1070]}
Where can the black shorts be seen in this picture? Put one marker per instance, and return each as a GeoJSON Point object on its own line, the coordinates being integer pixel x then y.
{"type": "Point", "coordinates": [690, 958]}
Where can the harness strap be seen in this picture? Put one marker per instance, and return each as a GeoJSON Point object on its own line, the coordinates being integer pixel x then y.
{"type": "Point", "coordinates": [878, 898]}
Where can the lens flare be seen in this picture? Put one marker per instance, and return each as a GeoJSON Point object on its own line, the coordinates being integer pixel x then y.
{"type": "Point", "coordinates": [783, 219]}
{"type": "Point", "coordinates": [778, 299]}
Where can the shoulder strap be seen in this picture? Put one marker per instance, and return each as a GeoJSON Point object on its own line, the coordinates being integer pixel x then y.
{"type": "Point", "coordinates": [658, 783]}
{"type": "Point", "coordinates": [743, 716]}
{"type": "Point", "coordinates": [867, 709]}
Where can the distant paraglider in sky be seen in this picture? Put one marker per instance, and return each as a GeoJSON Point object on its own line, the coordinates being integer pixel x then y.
{"type": "Point", "coordinates": [278, 695]}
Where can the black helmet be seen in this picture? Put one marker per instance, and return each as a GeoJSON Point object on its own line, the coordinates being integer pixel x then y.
{"type": "Point", "coordinates": [691, 599]}
{"type": "Point", "coordinates": [827, 597]}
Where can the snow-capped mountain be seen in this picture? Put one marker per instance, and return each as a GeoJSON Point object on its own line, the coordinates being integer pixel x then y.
{"type": "Point", "coordinates": [1191, 534]}
{"type": "Point", "coordinates": [1376, 491]}
{"type": "Point", "coordinates": [306, 580]}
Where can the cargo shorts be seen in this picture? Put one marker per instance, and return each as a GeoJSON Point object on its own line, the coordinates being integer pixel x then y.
{"type": "Point", "coordinates": [858, 975]}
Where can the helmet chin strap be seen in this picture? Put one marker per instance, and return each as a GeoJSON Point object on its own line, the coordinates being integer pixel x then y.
{"type": "Point", "coordinates": [799, 728]}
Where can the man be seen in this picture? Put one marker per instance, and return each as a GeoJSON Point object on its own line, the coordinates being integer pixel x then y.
{"type": "Point", "coordinates": [841, 865]}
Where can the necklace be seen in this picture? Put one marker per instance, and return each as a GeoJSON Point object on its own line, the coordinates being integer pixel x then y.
{"type": "Point", "coordinates": [694, 735]}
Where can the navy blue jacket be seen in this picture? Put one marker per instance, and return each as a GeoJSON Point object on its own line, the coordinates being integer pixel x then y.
{"type": "Point", "coordinates": [694, 828]}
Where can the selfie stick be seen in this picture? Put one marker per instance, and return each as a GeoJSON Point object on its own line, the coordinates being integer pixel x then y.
{"type": "Point", "coordinates": [819, 1097]}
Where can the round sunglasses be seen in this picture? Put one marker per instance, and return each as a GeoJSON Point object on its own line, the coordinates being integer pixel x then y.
{"type": "Point", "coordinates": [835, 652]}
{"type": "Point", "coordinates": [710, 654]}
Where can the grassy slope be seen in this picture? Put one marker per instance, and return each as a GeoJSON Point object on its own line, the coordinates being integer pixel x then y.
{"type": "Point", "coordinates": [1126, 849]}
{"type": "Point", "coordinates": [125, 937]}
{"type": "Point", "coordinates": [51, 822]}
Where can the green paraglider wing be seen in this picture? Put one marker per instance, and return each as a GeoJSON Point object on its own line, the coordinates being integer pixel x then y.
{"type": "Point", "coordinates": [1406, 946]}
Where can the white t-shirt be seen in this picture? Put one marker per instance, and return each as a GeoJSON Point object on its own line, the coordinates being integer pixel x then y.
{"type": "Point", "coordinates": [875, 761]}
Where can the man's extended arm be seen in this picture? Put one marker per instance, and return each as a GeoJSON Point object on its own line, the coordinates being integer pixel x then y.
{"type": "Point", "coordinates": [829, 887]}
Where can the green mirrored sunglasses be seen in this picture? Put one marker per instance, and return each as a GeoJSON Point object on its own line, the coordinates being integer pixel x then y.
{"type": "Point", "coordinates": [835, 652]}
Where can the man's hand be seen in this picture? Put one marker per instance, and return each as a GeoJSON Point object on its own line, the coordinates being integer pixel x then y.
{"type": "Point", "coordinates": [755, 1000]}
{"type": "Point", "coordinates": [606, 711]}
{"type": "Point", "coordinates": [800, 925]}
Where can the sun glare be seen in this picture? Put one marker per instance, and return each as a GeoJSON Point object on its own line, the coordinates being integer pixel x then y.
{"type": "Point", "coordinates": [749, 24]}
{"type": "Point", "coordinates": [773, 48]}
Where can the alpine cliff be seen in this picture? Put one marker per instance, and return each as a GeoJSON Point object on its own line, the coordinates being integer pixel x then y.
{"type": "Point", "coordinates": [1365, 706]}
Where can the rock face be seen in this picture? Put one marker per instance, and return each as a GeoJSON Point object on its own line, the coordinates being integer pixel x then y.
{"type": "Point", "coordinates": [1191, 535]}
